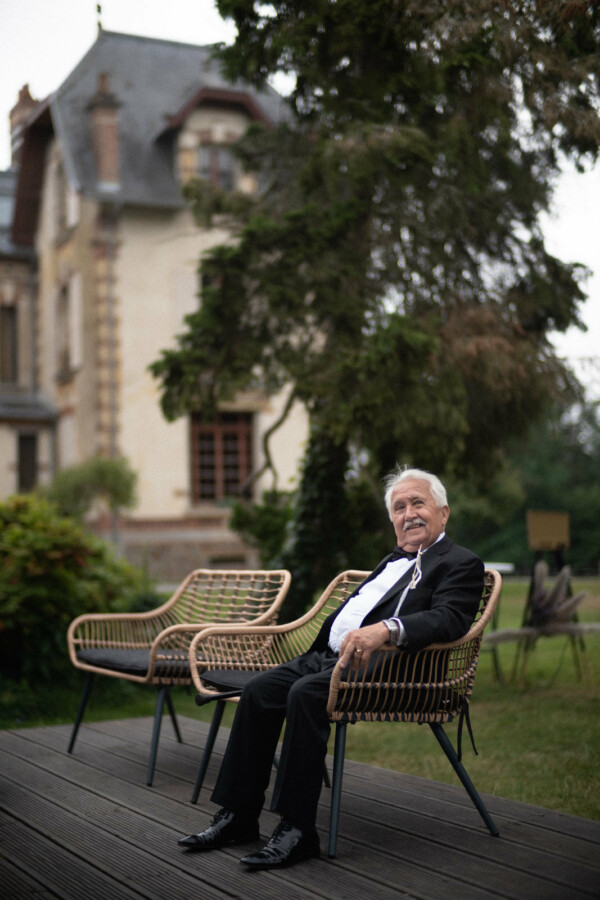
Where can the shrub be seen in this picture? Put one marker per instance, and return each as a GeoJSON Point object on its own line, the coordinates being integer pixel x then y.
{"type": "Point", "coordinates": [75, 489]}
{"type": "Point", "coordinates": [52, 570]}
{"type": "Point", "coordinates": [263, 525]}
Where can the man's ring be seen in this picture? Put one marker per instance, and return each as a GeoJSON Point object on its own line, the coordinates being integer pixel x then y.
{"type": "Point", "coordinates": [358, 652]}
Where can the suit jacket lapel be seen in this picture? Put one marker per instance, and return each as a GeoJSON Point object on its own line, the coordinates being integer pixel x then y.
{"type": "Point", "coordinates": [320, 642]}
{"type": "Point", "coordinates": [428, 560]}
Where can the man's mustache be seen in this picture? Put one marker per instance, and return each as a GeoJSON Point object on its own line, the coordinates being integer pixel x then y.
{"type": "Point", "coordinates": [413, 522]}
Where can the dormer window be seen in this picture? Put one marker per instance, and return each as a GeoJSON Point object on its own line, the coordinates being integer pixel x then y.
{"type": "Point", "coordinates": [206, 127]}
{"type": "Point", "coordinates": [216, 166]}
{"type": "Point", "coordinates": [204, 147]}
{"type": "Point", "coordinates": [201, 156]}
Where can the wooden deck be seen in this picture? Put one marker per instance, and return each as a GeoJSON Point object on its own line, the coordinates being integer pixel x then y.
{"type": "Point", "coordinates": [86, 827]}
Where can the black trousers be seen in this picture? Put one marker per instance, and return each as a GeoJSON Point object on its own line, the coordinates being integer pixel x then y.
{"type": "Point", "coordinates": [295, 692]}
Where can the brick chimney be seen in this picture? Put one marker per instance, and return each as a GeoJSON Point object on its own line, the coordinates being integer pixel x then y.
{"type": "Point", "coordinates": [18, 116]}
{"type": "Point", "coordinates": [104, 122]}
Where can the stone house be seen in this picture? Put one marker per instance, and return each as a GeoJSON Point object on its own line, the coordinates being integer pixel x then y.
{"type": "Point", "coordinates": [99, 264]}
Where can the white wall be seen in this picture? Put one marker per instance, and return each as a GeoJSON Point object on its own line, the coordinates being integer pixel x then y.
{"type": "Point", "coordinates": [287, 444]}
{"type": "Point", "coordinates": [156, 287]}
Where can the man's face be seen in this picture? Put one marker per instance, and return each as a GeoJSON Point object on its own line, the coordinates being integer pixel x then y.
{"type": "Point", "coordinates": [417, 520]}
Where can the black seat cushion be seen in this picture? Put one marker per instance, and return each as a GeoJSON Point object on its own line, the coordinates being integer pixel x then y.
{"type": "Point", "coordinates": [227, 679]}
{"type": "Point", "coordinates": [136, 662]}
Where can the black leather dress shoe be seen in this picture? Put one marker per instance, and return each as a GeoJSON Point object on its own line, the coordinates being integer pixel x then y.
{"type": "Point", "coordinates": [288, 845]}
{"type": "Point", "coordinates": [226, 828]}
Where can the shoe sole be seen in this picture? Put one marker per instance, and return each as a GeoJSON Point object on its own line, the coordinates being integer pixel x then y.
{"type": "Point", "coordinates": [218, 845]}
{"type": "Point", "coordinates": [284, 864]}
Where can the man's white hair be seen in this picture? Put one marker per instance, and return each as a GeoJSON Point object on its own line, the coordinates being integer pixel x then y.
{"type": "Point", "coordinates": [403, 473]}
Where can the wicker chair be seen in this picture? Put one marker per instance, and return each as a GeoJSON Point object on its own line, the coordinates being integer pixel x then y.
{"type": "Point", "coordinates": [223, 658]}
{"type": "Point", "coordinates": [152, 647]}
{"type": "Point", "coordinates": [431, 686]}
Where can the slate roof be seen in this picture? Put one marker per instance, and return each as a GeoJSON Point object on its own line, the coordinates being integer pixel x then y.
{"type": "Point", "coordinates": [154, 82]}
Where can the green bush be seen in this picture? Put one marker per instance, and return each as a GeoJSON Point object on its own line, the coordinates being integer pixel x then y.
{"type": "Point", "coordinates": [75, 489]}
{"type": "Point", "coordinates": [52, 570]}
{"type": "Point", "coordinates": [263, 525]}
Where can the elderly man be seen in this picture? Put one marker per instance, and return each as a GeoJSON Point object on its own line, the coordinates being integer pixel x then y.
{"type": "Point", "coordinates": [427, 590]}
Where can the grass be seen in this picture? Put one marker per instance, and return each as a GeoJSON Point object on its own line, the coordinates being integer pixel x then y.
{"type": "Point", "coordinates": [537, 744]}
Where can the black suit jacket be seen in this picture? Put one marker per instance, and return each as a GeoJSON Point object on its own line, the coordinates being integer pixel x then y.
{"type": "Point", "coordinates": [439, 609]}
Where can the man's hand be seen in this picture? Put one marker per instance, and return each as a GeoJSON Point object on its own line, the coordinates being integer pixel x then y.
{"type": "Point", "coordinates": [358, 645]}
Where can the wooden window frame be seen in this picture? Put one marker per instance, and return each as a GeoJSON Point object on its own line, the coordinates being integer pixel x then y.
{"type": "Point", "coordinates": [9, 348]}
{"type": "Point", "coordinates": [216, 165]}
{"type": "Point", "coordinates": [27, 462]}
{"type": "Point", "coordinates": [221, 456]}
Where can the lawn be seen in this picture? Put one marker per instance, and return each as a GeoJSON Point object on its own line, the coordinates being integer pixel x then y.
{"type": "Point", "coordinates": [538, 744]}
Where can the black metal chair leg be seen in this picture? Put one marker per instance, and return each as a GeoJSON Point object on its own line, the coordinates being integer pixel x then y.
{"type": "Point", "coordinates": [498, 668]}
{"type": "Point", "coordinates": [87, 687]}
{"type": "Point", "coordinates": [171, 709]}
{"type": "Point", "coordinates": [460, 770]}
{"type": "Point", "coordinates": [336, 790]}
{"type": "Point", "coordinates": [160, 702]}
{"type": "Point", "coordinates": [208, 747]}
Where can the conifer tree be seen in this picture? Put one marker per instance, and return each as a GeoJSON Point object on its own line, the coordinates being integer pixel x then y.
{"type": "Point", "coordinates": [391, 270]}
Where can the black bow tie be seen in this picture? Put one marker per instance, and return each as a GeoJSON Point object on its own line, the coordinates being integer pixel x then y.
{"type": "Point", "coordinates": [399, 553]}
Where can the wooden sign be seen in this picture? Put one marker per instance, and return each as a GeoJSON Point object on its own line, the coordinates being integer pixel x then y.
{"type": "Point", "coordinates": [547, 530]}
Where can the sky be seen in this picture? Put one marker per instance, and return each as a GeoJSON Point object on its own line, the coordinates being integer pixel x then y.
{"type": "Point", "coordinates": [43, 40]}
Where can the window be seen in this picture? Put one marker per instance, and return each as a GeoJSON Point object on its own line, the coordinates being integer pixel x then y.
{"type": "Point", "coordinates": [215, 165]}
{"type": "Point", "coordinates": [69, 329]}
{"type": "Point", "coordinates": [61, 199]}
{"type": "Point", "coordinates": [221, 456]}
{"type": "Point", "coordinates": [28, 474]}
{"type": "Point", "coordinates": [63, 354]}
{"type": "Point", "coordinates": [6, 211]}
{"type": "Point", "coordinates": [8, 344]}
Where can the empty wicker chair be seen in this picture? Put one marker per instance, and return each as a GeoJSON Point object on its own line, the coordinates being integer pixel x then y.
{"type": "Point", "coordinates": [153, 647]}
{"type": "Point", "coordinates": [430, 686]}
{"type": "Point", "coordinates": [223, 658]}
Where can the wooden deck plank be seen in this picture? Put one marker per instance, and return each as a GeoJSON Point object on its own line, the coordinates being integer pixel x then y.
{"type": "Point", "coordinates": [428, 835]}
{"type": "Point", "coordinates": [59, 870]}
{"type": "Point", "coordinates": [68, 820]}
{"type": "Point", "coordinates": [16, 884]}
{"type": "Point", "coordinates": [143, 845]}
{"type": "Point", "coordinates": [154, 832]}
